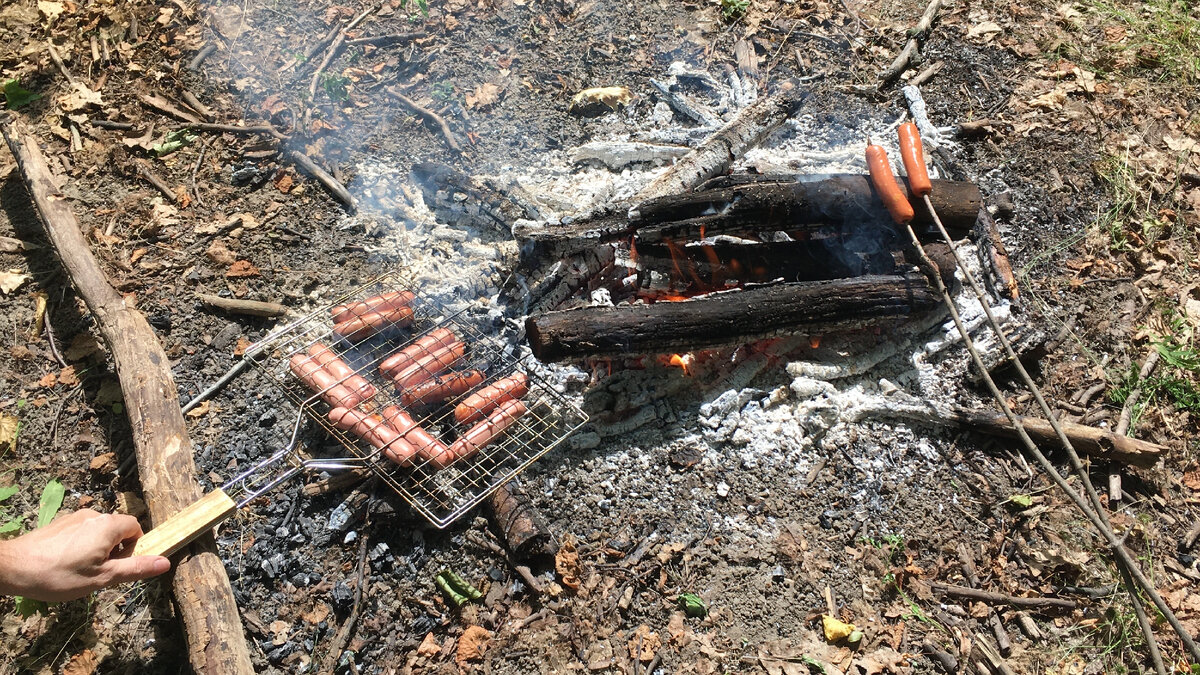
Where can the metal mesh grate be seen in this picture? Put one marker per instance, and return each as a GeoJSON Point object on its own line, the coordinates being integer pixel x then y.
{"type": "Point", "coordinates": [441, 494]}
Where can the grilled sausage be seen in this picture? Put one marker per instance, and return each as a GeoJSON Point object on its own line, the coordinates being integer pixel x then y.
{"type": "Point", "coordinates": [345, 374]}
{"type": "Point", "coordinates": [442, 387]}
{"type": "Point", "coordinates": [425, 345]}
{"type": "Point", "coordinates": [914, 160]}
{"type": "Point", "coordinates": [392, 300]}
{"type": "Point", "coordinates": [425, 445]}
{"type": "Point", "coordinates": [886, 186]}
{"type": "Point", "coordinates": [322, 382]}
{"type": "Point", "coordinates": [477, 406]}
{"type": "Point", "coordinates": [488, 430]}
{"type": "Point", "coordinates": [427, 366]}
{"type": "Point", "coordinates": [364, 326]}
{"type": "Point", "coordinates": [374, 431]}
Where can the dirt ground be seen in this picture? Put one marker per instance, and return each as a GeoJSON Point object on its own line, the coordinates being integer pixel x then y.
{"type": "Point", "coordinates": [1091, 161]}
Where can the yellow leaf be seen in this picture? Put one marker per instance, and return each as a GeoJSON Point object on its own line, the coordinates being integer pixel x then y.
{"type": "Point", "coordinates": [11, 281]}
{"type": "Point", "coordinates": [835, 630]}
{"type": "Point", "coordinates": [9, 426]}
{"type": "Point", "coordinates": [485, 95]}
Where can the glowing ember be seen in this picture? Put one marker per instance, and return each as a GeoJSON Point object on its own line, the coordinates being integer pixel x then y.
{"type": "Point", "coordinates": [814, 341]}
{"type": "Point", "coordinates": [683, 362]}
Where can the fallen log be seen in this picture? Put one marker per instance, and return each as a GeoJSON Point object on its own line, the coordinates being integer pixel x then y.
{"type": "Point", "coordinates": [714, 156]}
{"type": "Point", "coordinates": [846, 201]}
{"type": "Point", "coordinates": [730, 317]}
{"type": "Point", "coordinates": [202, 592]}
{"type": "Point", "coordinates": [710, 265]}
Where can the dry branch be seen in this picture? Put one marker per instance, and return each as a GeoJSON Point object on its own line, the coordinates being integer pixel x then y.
{"type": "Point", "coordinates": [205, 601]}
{"type": "Point", "coordinates": [429, 115]}
{"type": "Point", "coordinates": [910, 48]}
{"type": "Point", "coordinates": [249, 307]}
{"type": "Point", "coordinates": [953, 591]}
{"type": "Point", "coordinates": [518, 524]}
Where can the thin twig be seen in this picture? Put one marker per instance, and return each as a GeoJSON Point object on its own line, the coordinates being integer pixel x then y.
{"type": "Point", "coordinates": [58, 414]}
{"type": "Point", "coordinates": [108, 124]}
{"type": "Point", "coordinates": [428, 115]}
{"type": "Point", "coordinates": [389, 39]}
{"type": "Point", "coordinates": [166, 107]}
{"type": "Point", "coordinates": [196, 168]}
{"type": "Point", "coordinates": [50, 339]}
{"type": "Point", "coordinates": [523, 570]}
{"type": "Point", "coordinates": [200, 56]}
{"type": "Point", "coordinates": [926, 74]}
{"type": "Point", "coordinates": [343, 636]}
{"type": "Point", "coordinates": [217, 386]}
{"type": "Point", "coordinates": [1131, 401]}
{"type": "Point", "coordinates": [158, 183]}
{"type": "Point", "coordinates": [910, 48]}
{"type": "Point", "coordinates": [197, 105]}
{"type": "Point", "coordinates": [336, 47]}
{"type": "Point", "coordinates": [62, 67]}
{"type": "Point", "coordinates": [332, 184]}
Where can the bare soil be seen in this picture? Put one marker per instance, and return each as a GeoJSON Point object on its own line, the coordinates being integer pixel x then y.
{"type": "Point", "coordinates": [873, 513]}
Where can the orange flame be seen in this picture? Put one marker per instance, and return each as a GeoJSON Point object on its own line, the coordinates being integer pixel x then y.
{"type": "Point", "coordinates": [683, 362]}
{"type": "Point", "coordinates": [814, 341]}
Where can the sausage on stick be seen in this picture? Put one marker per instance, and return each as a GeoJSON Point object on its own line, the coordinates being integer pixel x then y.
{"type": "Point", "coordinates": [477, 406]}
{"type": "Point", "coordinates": [885, 184]}
{"type": "Point", "coordinates": [914, 160]}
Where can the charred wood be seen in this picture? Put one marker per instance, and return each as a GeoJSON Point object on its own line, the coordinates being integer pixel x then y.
{"type": "Point", "coordinates": [732, 317]}
{"type": "Point", "coordinates": [518, 524]}
{"type": "Point", "coordinates": [751, 126]}
{"type": "Point", "coordinates": [843, 200]}
{"type": "Point", "coordinates": [459, 199]}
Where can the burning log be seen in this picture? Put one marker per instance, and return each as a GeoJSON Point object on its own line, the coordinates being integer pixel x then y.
{"type": "Point", "coordinates": [711, 265]}
{"type": "Point", "coordinates": [846, 200]}
{"type": "Point", "coordinates": [721, 319]}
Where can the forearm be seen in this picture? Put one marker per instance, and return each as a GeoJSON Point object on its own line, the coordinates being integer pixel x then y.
{"type": "Point", "coordinates": [14, 571]}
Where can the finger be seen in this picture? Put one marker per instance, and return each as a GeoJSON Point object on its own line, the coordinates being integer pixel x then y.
{"type": "Point", "coordinates": [122, 570]}
{"type": "Point", "coordinates": [118, 527]}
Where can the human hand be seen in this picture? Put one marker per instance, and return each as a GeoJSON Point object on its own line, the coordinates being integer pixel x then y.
{"type": "Point", "coordinates": [73, 556]}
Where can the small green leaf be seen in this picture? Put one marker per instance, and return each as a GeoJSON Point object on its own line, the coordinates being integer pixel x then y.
{"type": "Point", "coordinates": [16, 96]}
{"type": "Point", "coordinates": [51, 502]}
{"type": "Point", "coordinates": [174, 141]}
{"type": "Point", "coordinates": [692, 605]}
{"type": "Point", "coordinates": [11, 526]}
{"type": "Point", "coordinates": [6, 492]}
{"type": "Point", "coordinates": [1023, 501]}
{"type": "Point", "coordinates": [27, 607]}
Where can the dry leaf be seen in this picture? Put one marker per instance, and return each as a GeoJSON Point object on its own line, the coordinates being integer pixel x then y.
{"type": "Point", "coordinates": [83, 663]}
{"type": "Point", "coordinates": [200, 411]}
{"type": "Point", "coordinates": [647, 640]}
{"type": "Point", "coordinates": [80, 97]}
{"type": "Point", "coordinates": [82, 346]}
{"type": "Point", "coordinates": [242, 268]}
{"type": "Point", "coordinates": [283, 183]}
{"type": "Point", "coordinates": [11, 281]}
{"type": "Point", "coordinates": [984, 30]}
{"type": "Point", "coordinates": [68, 377]}
{"type": "Point", "coordinates": [50, 9]}
{"type": "Point", "coordinates": [48, 380]}
{"type": "Point", "coordinates": [472, 644]}
{"type": "Point", "coordinates": [485, 95]}
{"type": "Point", "coordinates": [220, 254]}
{"type": "Point", "coordinates": [104, 463]}
{"type": "Point", "coordinates": [429, 647]}
{"type": "Point", "coordinates": [566, 563]}
{"type": "Point", "coordinates": [677, 628]}
{"type": "Point", "coordinates": [592, 101]}
{"type": "Point", "coordinates": [318, 613]}
{"type": "Point", "coordinates": [280, 629]}
{"type": "Point", "coordinates": [242, 345]}
{"type": "Point", "coordinates": [9, 426]}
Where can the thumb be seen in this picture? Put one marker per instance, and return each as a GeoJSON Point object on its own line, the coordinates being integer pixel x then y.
{"type": "Point", "coordinates": [123, 570]}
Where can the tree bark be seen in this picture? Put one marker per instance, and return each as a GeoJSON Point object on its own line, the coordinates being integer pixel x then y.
{"type": "Point", "coordinates": [731, 317]}
{"type": "Point", "coordinates": [216, 643]}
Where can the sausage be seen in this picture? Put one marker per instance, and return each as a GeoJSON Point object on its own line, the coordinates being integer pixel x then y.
{"type": "Point", "coordinates": [914, 160]}
{"type": "Point", "coordinates": [886, 186]}
{"type": "Point", "coordinates": [442, 387]}
{"type": "Point", "coordinates": [374, 431]}
{"type": "Point", "coordinates": [338, 368]}
{"type": "Point", "coordinates": [392, 300]}
{"type": "Point", "coordinates": [322, 382]}
{"type": "Point", "coordinates": [363, 326]}
{"type": "Point", "coordinates": [400, 360]}
{"type": "Point", "coordinates": [488, 430]}
{"type": "Point", "coordinates": [477, 406]}
{"type": "Point", "coordinates": [423, 443]}
{"type": "Point", "coordinates": [427, 366]}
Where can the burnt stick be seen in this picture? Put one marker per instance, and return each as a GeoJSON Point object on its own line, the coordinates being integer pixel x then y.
{"type": "Point", "coordinates": [731, 317]}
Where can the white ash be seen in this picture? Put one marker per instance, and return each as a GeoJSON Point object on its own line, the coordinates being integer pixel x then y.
{"type": "Point", "coordinates": [758, 414]}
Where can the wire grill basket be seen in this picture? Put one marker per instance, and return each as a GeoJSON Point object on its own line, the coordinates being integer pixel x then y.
{"type": "Point", "coordinates": [440, 494]}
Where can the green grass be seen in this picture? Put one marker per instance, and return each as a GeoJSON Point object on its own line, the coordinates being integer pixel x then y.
{"type": "Point", "coordinates": [732, 10]}
{"type": "Point", "coordinates": [1176, 381]}
{"type": "Point", "coordinates": [1162, 35]}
